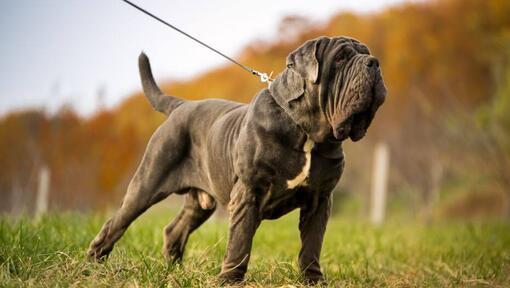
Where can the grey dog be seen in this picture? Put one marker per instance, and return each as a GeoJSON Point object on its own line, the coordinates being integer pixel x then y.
{"type": "Point", "coordinates": [261, 160]}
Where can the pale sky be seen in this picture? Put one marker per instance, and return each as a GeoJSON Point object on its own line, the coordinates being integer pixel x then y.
{"type": "Point", "coordinates": [54, 52]}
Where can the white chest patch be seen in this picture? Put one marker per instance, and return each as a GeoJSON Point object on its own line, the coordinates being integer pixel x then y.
{"type": "Point", "coordinates": [301, 177]}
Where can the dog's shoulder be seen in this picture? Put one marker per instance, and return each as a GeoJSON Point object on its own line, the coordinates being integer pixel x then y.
{"type": "Point", "coordinates": [265, 115]}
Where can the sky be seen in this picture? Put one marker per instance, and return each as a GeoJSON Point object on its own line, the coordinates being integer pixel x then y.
{"type": "Point", "coordinates": [84, 53]}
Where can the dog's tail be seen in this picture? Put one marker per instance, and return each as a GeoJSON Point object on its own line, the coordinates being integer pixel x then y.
{"type": "Point", "coordinates": [159, 101]}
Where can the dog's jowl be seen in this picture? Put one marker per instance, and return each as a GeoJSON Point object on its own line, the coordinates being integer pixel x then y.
{"type": "Point", "coordinates": [281, 152]}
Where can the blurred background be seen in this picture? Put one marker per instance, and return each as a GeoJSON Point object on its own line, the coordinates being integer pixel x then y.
{"type": "Point", "coordinates": [74, 124]}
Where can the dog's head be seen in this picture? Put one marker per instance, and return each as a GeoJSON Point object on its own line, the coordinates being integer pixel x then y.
{"type": "Point", "coordinates": [331, 87]}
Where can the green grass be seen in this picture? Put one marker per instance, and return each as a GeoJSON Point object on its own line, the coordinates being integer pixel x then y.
{"type": "Point", "coordinates": [51, 252]}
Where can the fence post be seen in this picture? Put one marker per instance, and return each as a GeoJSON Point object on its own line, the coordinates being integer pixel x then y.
{"type": "Point", "coordinates": [379, 183]}
{"type": "Point", "coordinates": [43, 191]}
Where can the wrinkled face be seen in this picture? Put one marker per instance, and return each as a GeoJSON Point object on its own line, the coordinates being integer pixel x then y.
{"type": "Point", "coordinates": [355, 89]}
{"type": "Point", "coordinates": [334, 87]}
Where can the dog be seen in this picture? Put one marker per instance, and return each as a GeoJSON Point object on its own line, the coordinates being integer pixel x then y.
{"type": "Point", "coordinates": [260, 160]}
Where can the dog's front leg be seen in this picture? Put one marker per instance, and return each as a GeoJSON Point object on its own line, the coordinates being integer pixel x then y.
{"type": "Point", "coordinates": [312, 225]}
{"type": "Point", "coordinates": [244, 220]}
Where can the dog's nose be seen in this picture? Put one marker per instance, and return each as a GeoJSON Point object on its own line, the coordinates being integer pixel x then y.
{"type": "Point", "coordinates": [373, 62]}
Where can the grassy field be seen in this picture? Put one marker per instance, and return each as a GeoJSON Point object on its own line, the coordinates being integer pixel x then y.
{"type": "Point", "coordinates": [51, 252]}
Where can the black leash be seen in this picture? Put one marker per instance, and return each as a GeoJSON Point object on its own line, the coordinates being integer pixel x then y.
{"type": "Point", "coordinates": [263, 76]}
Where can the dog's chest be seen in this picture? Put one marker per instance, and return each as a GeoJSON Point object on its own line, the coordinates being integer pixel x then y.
{"type": "Point", "coordinates": [301, 178]}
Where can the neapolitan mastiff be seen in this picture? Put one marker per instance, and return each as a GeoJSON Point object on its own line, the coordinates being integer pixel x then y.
{"type": "Point", "coordinates": [262, 160]}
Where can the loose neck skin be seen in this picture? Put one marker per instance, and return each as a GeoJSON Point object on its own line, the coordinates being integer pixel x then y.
{"type": "Point", "coordinates": [306, 111]}
{"type": "Point", "coordinates": [319, 128]}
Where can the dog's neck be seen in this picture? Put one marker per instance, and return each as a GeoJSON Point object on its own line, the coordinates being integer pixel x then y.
{"type": "Point", "coordinates": [306, 112]}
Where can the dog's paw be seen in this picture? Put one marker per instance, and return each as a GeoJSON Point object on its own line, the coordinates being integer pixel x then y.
{"type": "Point", "coordinates": [315, 280]}
{"type": "Point", "coordinates": [97, 254]}
{"type": "Point", "coordinates": [231, 278]}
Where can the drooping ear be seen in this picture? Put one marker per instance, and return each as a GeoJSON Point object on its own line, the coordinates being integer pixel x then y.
{"type": "Point", "coordinates": [288, 90]}
{"type": "Point", "coordinates": [304, 60]}
{"type": "Point", "coordinates": [287, 87]}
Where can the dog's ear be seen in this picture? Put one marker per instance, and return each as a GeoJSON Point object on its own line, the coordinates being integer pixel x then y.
{"type": "Point", "coordinates": [287, 87]}
{"type": "Point", "coordinates": [302, 65]}
{"type": "Point", "coordinates": [304, 60]}
{"type": "Point", "coordinates": [288, 90]}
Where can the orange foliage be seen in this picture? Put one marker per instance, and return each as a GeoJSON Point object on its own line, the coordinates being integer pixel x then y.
{"type": "Point", "coordinates": [433, 53]}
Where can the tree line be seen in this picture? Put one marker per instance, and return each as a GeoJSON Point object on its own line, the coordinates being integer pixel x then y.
{"type": "Point", "coordinates": [446, 118]}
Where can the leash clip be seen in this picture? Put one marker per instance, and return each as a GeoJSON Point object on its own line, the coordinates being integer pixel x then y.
{"type": "Point", "coordinates": [264, 78]}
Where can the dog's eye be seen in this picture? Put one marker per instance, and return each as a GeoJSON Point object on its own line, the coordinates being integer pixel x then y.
{"type": "Point", "coordinates": [340, 57]}
{"type": "Point", "coordinates": [345, 54]}
{"type": "Point", "coordinates": [290, 65]}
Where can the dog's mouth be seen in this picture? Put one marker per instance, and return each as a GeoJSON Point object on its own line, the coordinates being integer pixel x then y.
{"type": "Point", "coordinates": [360, 116]}
{"type": "Point", "coordinates": [354, 127]}
{"type": "Point", "coordinates": [356, 124]}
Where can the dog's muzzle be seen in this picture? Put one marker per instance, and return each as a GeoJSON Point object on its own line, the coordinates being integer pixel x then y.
{"type": "Point", "coordinates": [355, 127]}
{"type": "Point", "coordinates": [356, 124]}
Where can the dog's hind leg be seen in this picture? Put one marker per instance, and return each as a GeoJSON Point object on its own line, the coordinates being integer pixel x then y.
{"type": "Point", "coordinates": [198, 207]}
{"type": "Point", "coordinates": [149, 185]}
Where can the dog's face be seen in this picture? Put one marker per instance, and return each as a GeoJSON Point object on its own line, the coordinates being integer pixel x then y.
{"type": "Point", "coordinates": [331, 87]}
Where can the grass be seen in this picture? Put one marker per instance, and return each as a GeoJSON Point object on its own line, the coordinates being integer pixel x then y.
{"type": "Point", "coordinates": [51, 252]}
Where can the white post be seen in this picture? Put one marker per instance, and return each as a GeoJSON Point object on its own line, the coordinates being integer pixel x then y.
{"type": "Point", "coordinates": [43, 191]}
{"type": "Point", "coordinates": [379, 183]}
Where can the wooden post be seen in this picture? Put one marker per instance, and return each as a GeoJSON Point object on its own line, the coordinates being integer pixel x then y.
{"type": "Point", "coordinates": [16, 200]}
{"type": "Point", "coordinates": [43, 192]}
{"type": "Point", "coordinates": [379, 183]}
{"type": "Point", "coordinates": [431, 196]}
